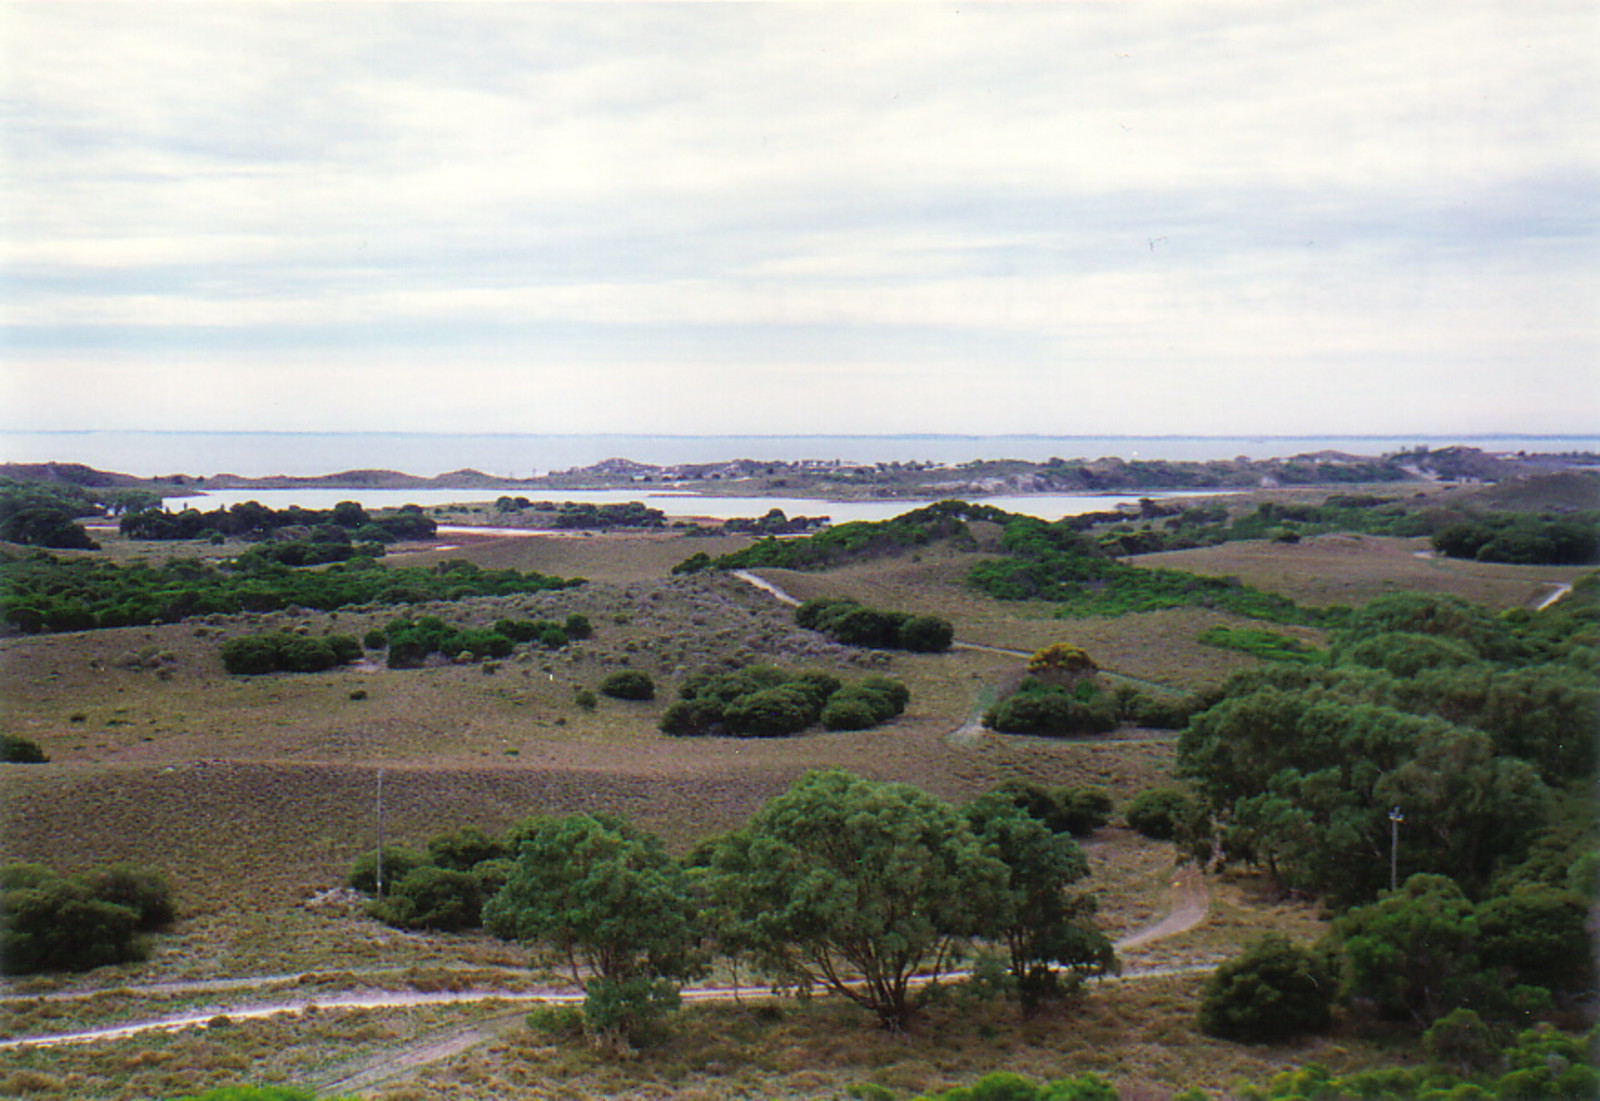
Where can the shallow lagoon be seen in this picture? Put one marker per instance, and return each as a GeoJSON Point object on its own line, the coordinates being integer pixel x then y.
{"type": "Point", "coordinates": [1046, 506]}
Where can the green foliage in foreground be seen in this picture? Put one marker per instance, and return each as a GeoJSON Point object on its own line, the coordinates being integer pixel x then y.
{"type": "Point", "coordinates": [1273, 991]}
{"type": "Point", "coordinates": [43, 593]}
{"type": "Point", "coordinates": [50, 922]}
{"type": "Point", "coordinates": [1541, 1065]}
{"type": "Point", "coordinates": [1040, 922]}
{"type": "Point", "coordinates": [1420, 952]}
{"type": "Point", "coordinates": [1004, 1086]}
{"type": "Point", "coordinates": [764, 701]}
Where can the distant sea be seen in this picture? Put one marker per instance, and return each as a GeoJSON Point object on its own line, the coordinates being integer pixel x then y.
{"type": "Point", "coordinates": [258, 454]}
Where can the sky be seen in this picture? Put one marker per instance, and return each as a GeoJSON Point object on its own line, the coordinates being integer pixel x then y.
{"type": "Point", "coordinates": [771, 218]}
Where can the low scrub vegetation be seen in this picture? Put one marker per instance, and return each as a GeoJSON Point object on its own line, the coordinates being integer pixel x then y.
{"type": "Point", "coordinates": [347, 522]}
{"type": "Point", "coordinates": [628, 684]}
{"type": "Point", "coordinates": [287, 652]}
{"type": "Point", "coordinates": [51, 922]}
{"type": "Point", "coordinates": [45, 594]}
{"type": "Point", "coordinates": [17, 750]}
{"type": "Point", "coordinates": [1062, 695]}
{"type": "Point", "coordinates": [764, 701]}
{"type": "Point", "coordinates": [1057, 563]}
{"type": "Point", "coordinates": [1267, 645]}
{"type": "Point", "coordinates": [855, 542]}
{"type": "Point", "coordinates": [850, 624]}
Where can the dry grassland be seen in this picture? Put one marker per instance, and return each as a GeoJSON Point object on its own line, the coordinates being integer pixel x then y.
{"type": "Point", "coordinates": [1353, 569]}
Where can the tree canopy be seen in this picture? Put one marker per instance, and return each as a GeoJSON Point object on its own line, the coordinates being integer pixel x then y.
{"type": "Point", "coordinates": [858, 886]}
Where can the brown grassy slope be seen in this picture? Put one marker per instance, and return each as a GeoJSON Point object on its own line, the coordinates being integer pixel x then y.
{"type": "Point", "coordinates": [1352, 569]}
{"type": "Point", "coordinates": [161, 757]}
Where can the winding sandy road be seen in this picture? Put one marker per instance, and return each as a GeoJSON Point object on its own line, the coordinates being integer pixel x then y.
{"type": "Point", "coordinates": [1188, 908]}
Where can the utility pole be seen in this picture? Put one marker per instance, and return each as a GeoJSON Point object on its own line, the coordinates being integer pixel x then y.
{"type": "Point", "coordinates": [378, 879]}
{"type": "Point", "coordinates": [1395, 818]}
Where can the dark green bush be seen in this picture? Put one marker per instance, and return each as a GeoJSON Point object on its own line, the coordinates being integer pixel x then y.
{"type": "Point", "coordinates": [926, 634]}
{"type": "Point", "coordinates": [17, 750]}
{"type": "Point", "coordinates": [850, 624]}
{"type": "Point", "coordinates": [1053, 711]}
{"type": "Point", "coordinates": [433, 898]}
{"type": "Point", "coordinates": [1274, 991]}
{"type": "Point", "coordinates": [1159, 812]}
{"type": "Point", "coordinates": [771, 712]}
{"type": "Point", "coordinates": [144, 892]}
{"type": "Point", "coordinates": [52, 923]}
{"type": "Point", "coordinates": [466, 848]}
{"type": "Point", "coordinates": [765, 701]}
{"type": "Point", "coordinates": [628, 684]}
{"type": "Point", "coordinates": [847, 713]}
{"type": "Point", "coordinates": [1078, 810]}
{"type": "Point", "coordinates": [285, 652]}
{"type": "Point", "coordinates": [398, 862]}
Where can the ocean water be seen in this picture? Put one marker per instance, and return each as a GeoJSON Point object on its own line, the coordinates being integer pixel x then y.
{"type": "Point", "coordinates": [257, 454]}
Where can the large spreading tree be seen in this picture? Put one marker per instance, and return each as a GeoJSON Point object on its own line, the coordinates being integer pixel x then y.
{"type": "Point", "coordinates": [858, 886]}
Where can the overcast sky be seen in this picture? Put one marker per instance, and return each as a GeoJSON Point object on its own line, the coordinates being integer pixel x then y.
{"type": "Point", "coordinates": [827, 218]}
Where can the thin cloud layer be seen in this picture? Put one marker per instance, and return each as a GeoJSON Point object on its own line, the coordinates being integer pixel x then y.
{"type": "Point", "coordinates": [1063, 218]}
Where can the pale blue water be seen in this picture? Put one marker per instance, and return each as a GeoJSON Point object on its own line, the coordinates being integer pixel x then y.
{"type": "Point", "coordinates": [263, 453]}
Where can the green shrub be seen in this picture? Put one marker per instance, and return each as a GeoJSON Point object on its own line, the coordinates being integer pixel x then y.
{"type": "Point", "coordinates": [144, 892]}
{"type": "Point", "coordinates": [51, 923]}
{"type": "Point", "coordinates": [850, 624]}
{"type": "Point", "coordinates": [1053, 711]}
{"type": "Point", "coordinates": [433, 898]}
{"type": "Point", "coordinates": [254, 655]}
{"type": "Point", "coordinates": [765, 701]}
{"type": "Point", "coordinates": [926, 634]}
{"type": "Point", "coordinates": [17, 750]}
{"type": "Point", "coordinates": [771, 712]}
{"type": "Point", "coordinates": [1273, 991]}
{"type": "Point", "coordinates": [628, 684]}
{"type": "Point", "coordinates": [1078, 810]}
{"type": "Point", "coordinates": [464, 849]}
{"type": "Point", "coordinates": [849, 714]}
{"type": "Point", "coordinates": [397, 863]}
{"type": "Point", "coordinates": [1158, 813]}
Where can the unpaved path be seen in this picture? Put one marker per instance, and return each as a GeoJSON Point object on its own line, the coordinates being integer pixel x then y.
{"type": "Point", "coordinates": [1558, 590]}
{"type": "Point", "coordinates": [1190, 902]}
{"type": "Point", "coordinates": [765, 586]}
